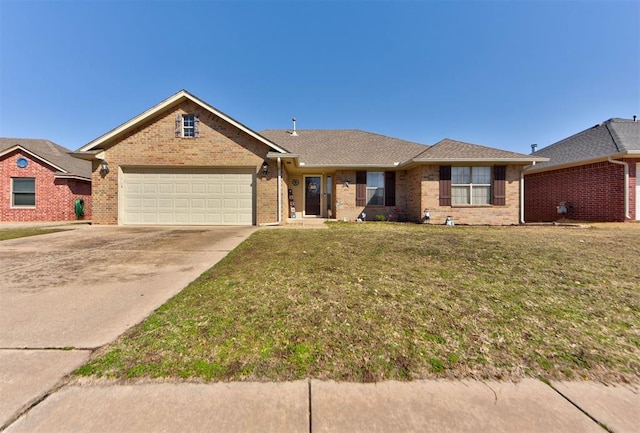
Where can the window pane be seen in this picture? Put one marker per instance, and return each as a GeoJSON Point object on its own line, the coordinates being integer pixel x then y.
{"type": "Point", "coordinates": [481, 175]}
{"type": "Point", "coordinates": [460, 175]}
{"type": "Point", "coordinates": [481, 195]}
{"type": "Point", "coordinates": [24, 185]}
{"type": "Point", "coordinates": [375, 179]}
{"type": "Point", "coordinates": [21, 199]}
{"type": "Point", "coordinates": [460, 195]}
{"type": "Point", "coordinates": [375, 196]}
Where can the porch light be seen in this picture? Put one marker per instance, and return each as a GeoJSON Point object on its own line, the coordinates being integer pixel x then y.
{"type": "Point", "coordinates": [104, 167]}
{"type": "Point", "coordinates": [265, 167]}
{"type": "Point", "coordinates": [346, 183]}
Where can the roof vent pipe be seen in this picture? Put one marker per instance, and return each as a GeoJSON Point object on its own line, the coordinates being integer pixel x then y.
{"type": "Point", "coordinates": [533, 147]}
{"type": "Point", "coordinates": [294, 133]}
{"type": "Point", "coordinates": [635, 118]}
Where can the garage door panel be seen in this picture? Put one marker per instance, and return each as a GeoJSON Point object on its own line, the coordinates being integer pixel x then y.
{"type": "Point", "coordinates": [182, 187]}
{"type": "Point", "coordinates": [187, 197]}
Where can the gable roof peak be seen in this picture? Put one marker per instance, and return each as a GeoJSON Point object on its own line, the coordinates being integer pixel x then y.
{"type": "Point", "coordinates": [169, 103]}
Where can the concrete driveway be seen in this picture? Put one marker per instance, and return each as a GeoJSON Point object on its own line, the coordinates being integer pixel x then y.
{"type": "Point", "coordinates": [67, 293]}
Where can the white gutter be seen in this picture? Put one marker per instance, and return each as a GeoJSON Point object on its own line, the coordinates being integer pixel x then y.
{"type": "Point", "coordinates": [626, 185]}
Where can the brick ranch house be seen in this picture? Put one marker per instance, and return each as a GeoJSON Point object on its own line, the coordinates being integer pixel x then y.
{"type": "Point", "coordinates": [185, 162]}
{"type": "Point", "coordinates": [40, 181]}
{"type": "Point", "coordinates": [593, 175]}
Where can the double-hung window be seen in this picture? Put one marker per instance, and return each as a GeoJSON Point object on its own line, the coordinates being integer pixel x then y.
{"type": "Point", "coordinates": [375, 188]}
{"type": "Point", "coordinates": [187, 125]}
{"type": "Point", "coordinates": [470, 185]}
{"type": "Point", "coordinates": [23, 192]}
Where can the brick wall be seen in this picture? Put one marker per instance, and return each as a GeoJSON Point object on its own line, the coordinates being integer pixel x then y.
{"type": "Point", "coordinates": [424, 193]}
{"type": "Point", "coordinates": [595, 192]}
{"type": "Point", "coordinates": [55, 198]}
{"type": "Point", "coordinates": [154, 143]}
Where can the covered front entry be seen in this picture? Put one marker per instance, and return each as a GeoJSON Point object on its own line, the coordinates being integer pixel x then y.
{"type": "Point", "coordinates": [312, 195]}
{"type": "Point", "coordinates": [179, 196]}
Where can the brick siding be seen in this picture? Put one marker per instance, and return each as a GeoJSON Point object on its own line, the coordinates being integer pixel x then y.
{"type": "Point", "coordinates": [424, 193]}
{"type": "Point", "coordinates": [55, 198]}
{"type": "Point", "coordinates": [594, 192]}
{"type": "Point", "coordinates": [154, 143]}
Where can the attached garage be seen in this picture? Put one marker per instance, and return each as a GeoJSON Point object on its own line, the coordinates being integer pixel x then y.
{"type": "Point", "coordinates": [179, 196]}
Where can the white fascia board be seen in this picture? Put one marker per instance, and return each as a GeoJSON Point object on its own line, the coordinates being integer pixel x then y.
{"type": "Point", "coordinates": [71, 176]}
{"type": "Point", "coordinates": [343, 166]}
{"type": "Point", "coordinates": [39, 158]}
{"type": "Point", "coordinates": [87, 156]}
{"type": "Point", "coordinates": [183, 94]}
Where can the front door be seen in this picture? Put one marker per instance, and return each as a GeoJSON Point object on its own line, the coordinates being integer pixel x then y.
{"type": "Point", "coordinates": [312, 194]}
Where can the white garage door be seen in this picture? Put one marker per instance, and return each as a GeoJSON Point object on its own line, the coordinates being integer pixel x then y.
{"type": "Point", "coordinates": [187, 197]}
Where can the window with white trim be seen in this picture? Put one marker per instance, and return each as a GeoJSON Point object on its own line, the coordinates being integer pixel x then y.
{"type": "Point", "coordinates": [375, 188]}
{"type": "Point", "coordinates": [187, 125]}
{"type": "Point", "coordinates": [23, 192]}
{"type": "Point", "coordinates": [470, 185]}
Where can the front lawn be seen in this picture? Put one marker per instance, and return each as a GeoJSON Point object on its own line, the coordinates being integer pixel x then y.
{"type": "Point", "coordinates": [377, 301]}
{"type": "Point", "coordinates": [21, 232]}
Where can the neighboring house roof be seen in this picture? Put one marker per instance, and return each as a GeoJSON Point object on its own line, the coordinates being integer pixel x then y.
{"type": "Point", "coordinates": [459, 151]}
{"type": "Point", "coordinates": [50, 153]}
{"type": "Point", "coordinates": [168, 103]}
{"type": "Point", "coordinates": [612, 138]}
{"type": "Point", "coordinates": [344, 148]}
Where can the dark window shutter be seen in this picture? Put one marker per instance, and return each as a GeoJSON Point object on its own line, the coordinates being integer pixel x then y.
{"type": "Point", "coordinates": [445, 185]}
{"type": "Point", "coordinates": [499, 182]}
{"type": "Point", "coordinates": [361, 188]}
{"type": "Point", "coordinates": [196, 125]}
{"type": "Point", "coordinates": [178, 125]}
{"type": "Point", "coordinates": [390, 188]}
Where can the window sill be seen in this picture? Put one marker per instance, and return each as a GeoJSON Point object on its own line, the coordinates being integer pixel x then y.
{"type": "Point", "coordinates": [473, 206]}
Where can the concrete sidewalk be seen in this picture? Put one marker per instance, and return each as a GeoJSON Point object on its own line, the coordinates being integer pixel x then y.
{"type": "Point", "coordinates": [317, 406]}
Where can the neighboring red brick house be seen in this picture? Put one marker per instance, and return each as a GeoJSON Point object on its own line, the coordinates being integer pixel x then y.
{"type": "Point", "coordinates": [591, 176]}
{"type": "Point", "coordinates": [40, 181]}
{"type": "Point", "coordinates": [185, 162]}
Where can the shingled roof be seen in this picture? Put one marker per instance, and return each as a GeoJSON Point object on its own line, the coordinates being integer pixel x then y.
{"type": "Point", "coordinates": [355, 148]}
{"type": "Point", "coordinates": [51, 153]}
{"type": "Point", "coordinates": [614, 137]}
{"type": "Point", "coordinates": [452, 150]}
{"type": "Point", "coordinates": [344, 147]}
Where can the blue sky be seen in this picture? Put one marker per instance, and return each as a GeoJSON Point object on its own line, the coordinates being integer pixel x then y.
{"type": "Point", "coordinates": [499, 73]}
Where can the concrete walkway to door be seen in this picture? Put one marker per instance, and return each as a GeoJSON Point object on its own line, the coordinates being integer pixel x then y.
{"type": "Point", "coordinates": [66, 293]}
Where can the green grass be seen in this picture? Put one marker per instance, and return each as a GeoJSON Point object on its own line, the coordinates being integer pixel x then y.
{"type": "Point", "coordinates": [14, 233]}
{"type": "Point", "coordinates": [376, 301]}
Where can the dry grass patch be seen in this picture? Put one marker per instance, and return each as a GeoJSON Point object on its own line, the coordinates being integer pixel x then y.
{"type": "Point", "coordinates": [22, 232]}
{"type": "Point", "coordinates": [377, 301]}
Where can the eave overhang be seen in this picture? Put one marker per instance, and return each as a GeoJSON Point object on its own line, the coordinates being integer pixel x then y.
{"type": "Point", "coordinates": [619, 155]}
{"type": "Point", "coordinates": [452, 161]}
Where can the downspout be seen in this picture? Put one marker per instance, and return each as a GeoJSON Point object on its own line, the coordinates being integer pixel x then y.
{"type": "Point", "coordinates": [626, 185]}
